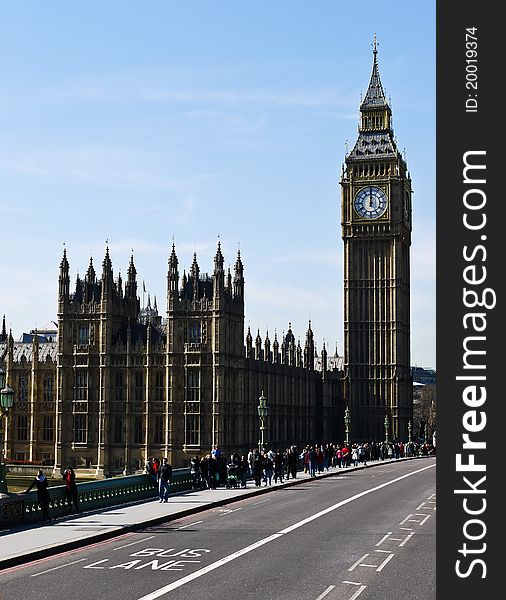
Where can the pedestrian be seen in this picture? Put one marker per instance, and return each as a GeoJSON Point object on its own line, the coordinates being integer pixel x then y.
{"type": "Point", "coordinates": [268, 467]}
{"type": "Point", "coordinates": [71, 494]}
{"type": "Point", "coordinates": [195, 472]}
{"type": "Point", "coordinates": [43, 498]}
{"type": "Point", "coordinates": [164, 480]}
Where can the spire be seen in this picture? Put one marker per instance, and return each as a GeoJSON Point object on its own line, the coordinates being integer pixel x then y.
{"type": "Point", "coordinates": [218, 259]}
{"type": "Point", "coordinates": [309, 349]}
{"type": "Point", "coordinates": [131, 284]}
{"type": "Point", "coordinates": [64, 279]}
{"type": "Point", "coordinates": [249, 343]}
{"type": "Point", "coordinates": [238, 277]}
{"type": "Point", "coordinates": [195, 271]}
{"type": "Point", "coordinates": [106, 264]}
{"type": "Point", "coordinates": [90, 273]}
{"type": "Point", "coordinates": [258, 346]}
{"type": "Point", "coordinates": [275, 348]}
{"type": "Point", "coordinates": [267, 347]}
{"type": "Point", "coordinates": [375, 95]}
{"type": "Point", "coordinates": [3, 335]}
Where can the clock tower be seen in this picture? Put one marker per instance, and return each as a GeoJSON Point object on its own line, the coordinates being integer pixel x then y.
{"type": "Point", "coordinates": [376, 230]}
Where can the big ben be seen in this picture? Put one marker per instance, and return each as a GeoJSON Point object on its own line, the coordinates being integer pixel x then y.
{"type": "Point", "coordinates": [376, 230]}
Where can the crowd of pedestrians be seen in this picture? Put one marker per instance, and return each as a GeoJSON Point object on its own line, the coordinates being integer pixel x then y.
{"type": "Point", "coordinates": [266, 466]}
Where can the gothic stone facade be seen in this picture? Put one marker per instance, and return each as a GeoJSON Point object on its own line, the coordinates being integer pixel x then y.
{"type": "Point", "coordinates": [119, 384]}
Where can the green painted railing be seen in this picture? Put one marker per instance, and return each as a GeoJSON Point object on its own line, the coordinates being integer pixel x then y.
{"type": "Point", "coordinates": [92, 495]}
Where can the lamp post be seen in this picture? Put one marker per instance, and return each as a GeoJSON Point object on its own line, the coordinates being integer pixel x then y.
{"type": "Point", "coordinates": [410, 429]}
{"type": "Point", "coordinates": [347, 424]}
{"type": "Point", "coordinates": [262, 415]}
{"type": "Point", "coordinates": [387, 426]}
{"type": "Point", "coordinates": [6, 402]}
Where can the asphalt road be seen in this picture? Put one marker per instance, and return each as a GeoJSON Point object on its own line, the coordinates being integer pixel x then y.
{"type": "Point", "coordinates": [368, 534]}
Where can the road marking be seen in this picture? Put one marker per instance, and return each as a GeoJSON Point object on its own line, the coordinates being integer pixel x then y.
{"type": "Point", "coordinates": [407, 528]}
{"type": "Point", "coordinates": [261, 502]}
{"type": "Point", "coordinates": [132, 543]}
{"type": "Point", "coordinates": [354, 565]}
{"type": "Point", "coordinates": [223, 561]}
{"type": "Point", "coordinates": [403, 521]}
{"type": "Point", "coordinates": [385, 551]}
{"type": "Point", "coordinates": [406, 539]}
{"type": "Point", "coordinates": [55, 568]}
{"type": "Point", "coordinates": [387, 559]}
{"type": "Point", "coordinates": [329, 589]}
{"type": "Point", "coordinates": [358, 592]}
{"type": "Point", "coordinates": [383, 538]}
{"type": "Point", "coordinates": [352, 582]}
{"type": "Point", "coordinates": [189, 525]}
{"type": "Point", "coordinates": [423, 520]}
{"type": "Point", "coordinates": [420, 506]}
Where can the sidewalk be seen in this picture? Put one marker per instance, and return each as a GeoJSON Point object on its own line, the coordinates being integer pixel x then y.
{"type": "Point", "coordinates": [25, 543]}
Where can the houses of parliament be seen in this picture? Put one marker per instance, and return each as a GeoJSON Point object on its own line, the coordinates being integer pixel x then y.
{"type": "Point", "coordinates": [116, 383]}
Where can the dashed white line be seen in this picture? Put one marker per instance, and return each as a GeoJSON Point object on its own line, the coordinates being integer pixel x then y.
{"type": "Point", "coordinates": [352, 582]}
{"type": "Point", "coordinates": [355, 565]}
{"type": "Point", "coordinates": [423, 520]}
{"type": "Point", "coordinates": [60, 567]}
{"type": "Point", "coordinates": [329, 589]}
{"type": "Point", "coordinates": [387, 559]}
{"type": "Point", "coordinates": [406, 539]}
{"type": "Point", "coordinates": [404, 520]}
{"type": "Point", "coordinates": [358, 592]}
{"type": "Point", "coordinates": [383, 538]}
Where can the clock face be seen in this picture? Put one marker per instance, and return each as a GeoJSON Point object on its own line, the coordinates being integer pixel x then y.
{"type": "Point", "coordinates": [371, 202]}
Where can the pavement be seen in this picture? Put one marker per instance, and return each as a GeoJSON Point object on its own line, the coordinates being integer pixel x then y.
{"type": "Point", "coordinates": [25, 543]}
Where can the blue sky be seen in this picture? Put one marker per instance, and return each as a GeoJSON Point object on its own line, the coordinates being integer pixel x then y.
{"type": "Point", "coordinates": [138, 123]}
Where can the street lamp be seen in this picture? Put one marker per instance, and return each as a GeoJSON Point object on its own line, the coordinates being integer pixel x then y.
{"type": "Point", "coordinates": [262, 414]}
{"type": "Point", "coordinates": [6, 402]}
{"type": "Point", "coordinates": [410, 429]}
{"type": "Point", "coordinates": [387, 425]}
{"type": "Point", "coordinates": [347, 424]}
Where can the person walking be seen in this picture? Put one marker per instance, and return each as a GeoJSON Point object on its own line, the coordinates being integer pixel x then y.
{"type": "Point", "coordinates": [71, 494]}
{"type": "Point", "coordinates": [43, 498]}
{"type": "Point", "coordinates": [164, 480]}
{"type": "Point", "coordinates": [195, 472]}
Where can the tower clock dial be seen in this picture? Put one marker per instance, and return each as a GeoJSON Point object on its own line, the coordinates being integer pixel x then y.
{"type": "Point", "coordinates": [371, 202]}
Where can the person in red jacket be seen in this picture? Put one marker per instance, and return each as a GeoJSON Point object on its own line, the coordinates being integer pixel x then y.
{"type": "Point", "coordinates": [71, 495]}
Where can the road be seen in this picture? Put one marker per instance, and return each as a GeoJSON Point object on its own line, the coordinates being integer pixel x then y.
{"type": "Point", "coordinates": [368, 534]}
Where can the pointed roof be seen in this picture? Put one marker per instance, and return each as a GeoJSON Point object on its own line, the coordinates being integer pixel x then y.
{"type": "Point", "coordinates": [375, 95]}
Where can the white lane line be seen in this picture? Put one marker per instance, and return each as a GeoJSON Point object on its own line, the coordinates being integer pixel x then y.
{"type": "Point", "coordinates": [403, 521]}
{"type": "Point", "coordinates": [358, 592]}
{"type": "Point", "coordinates": [385, 537]}
{"type": "Point", "coordinates": [352, 582]}
{"type": "Point", "coordinates": [60, 567]}
{"type": "Point", "coordinates": [387, 559]}
{"type": "Point", "coordinates": [354, 565]}
{"type": "Point", "coordinates": [329, 589]}
{"type": "Point", "coordinates": [406, 539]}
{"type": "Point", "coordinates": [431, 496]}
{"type": "Point", "coordinates": [261, 502]}
{"type": "Point", "coordinates": [423, 520]}
{"type": "Point", "coordinates": [385, 551]}
{"type": "Point", "coordinates": [407, 528]}
{"type": "Point", "coordinates": [136, 542]}
{"type": "Point", "coordinates": [351, 499]}
{"type": "Point", "coordinates": [219, 563]}
{"type": "Point", "coordinates": [189, 525]}
{"type": "Point", "coordinates": [420, 506]}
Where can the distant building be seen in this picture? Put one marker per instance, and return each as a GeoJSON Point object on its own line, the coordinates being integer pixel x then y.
{"type": "Point", "coordinates": [424, 375]}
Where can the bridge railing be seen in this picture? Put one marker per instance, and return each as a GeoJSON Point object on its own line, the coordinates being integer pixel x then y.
{"type": "Point", "coordinates": [91, 494]}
